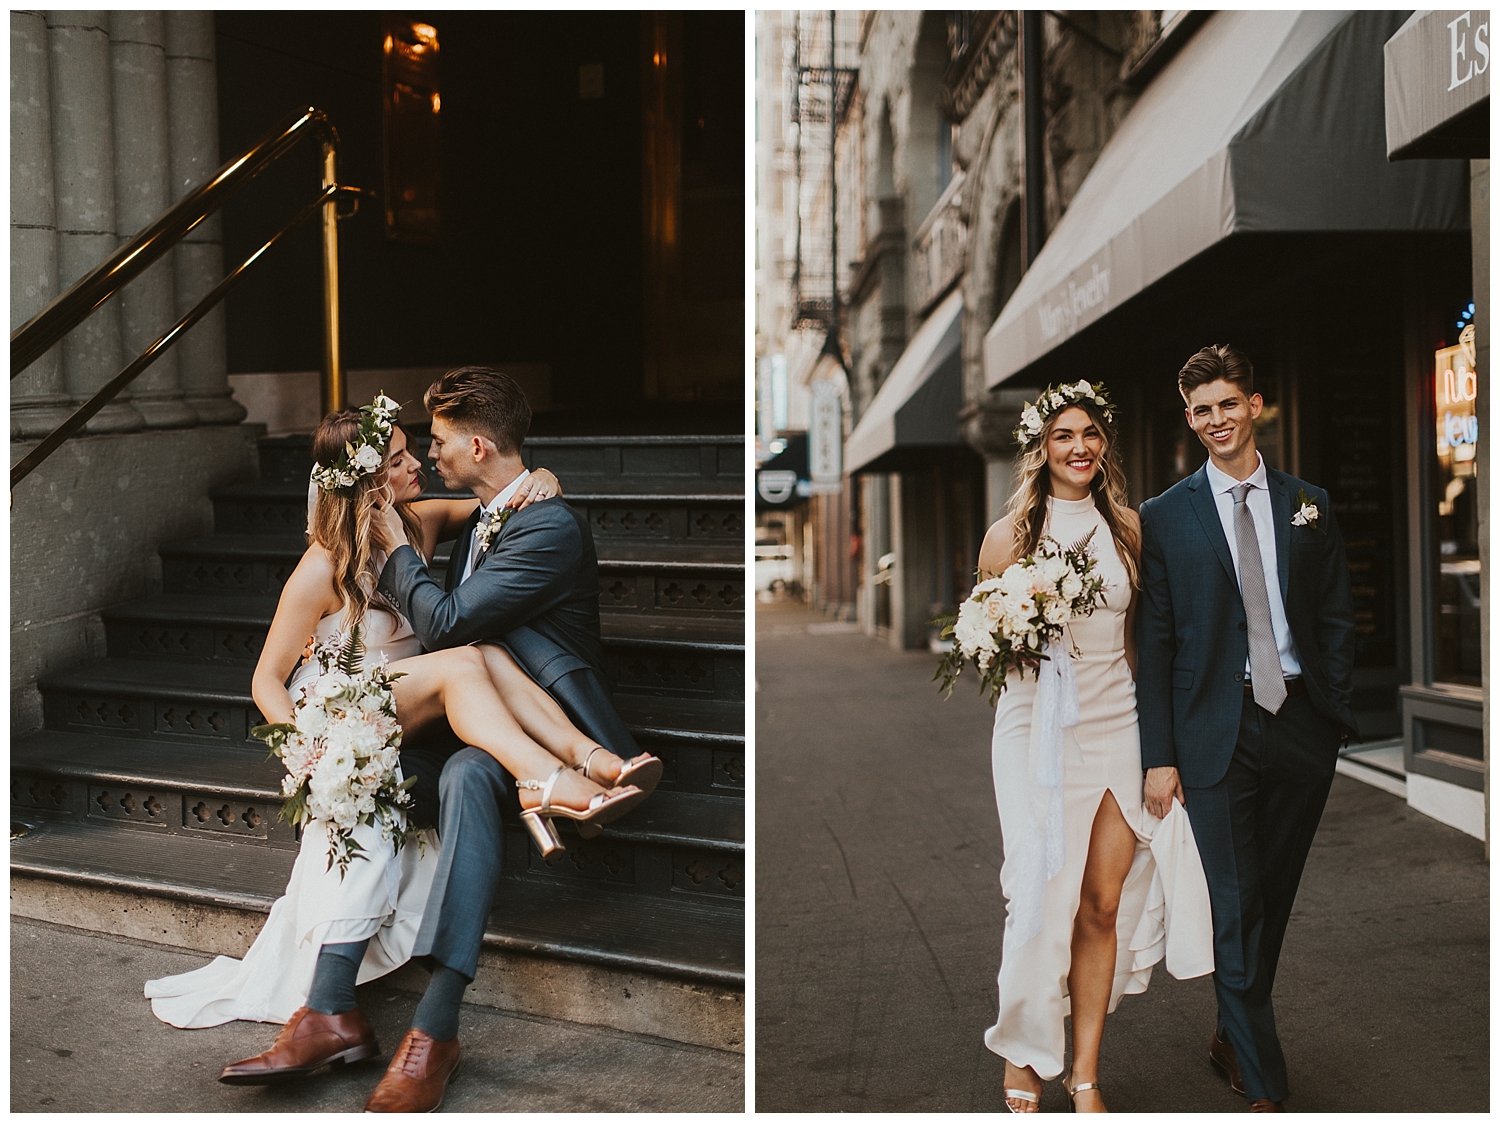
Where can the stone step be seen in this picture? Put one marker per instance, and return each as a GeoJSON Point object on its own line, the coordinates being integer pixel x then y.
{"type": "Point", "coordinates": [236, 793]}
{"type": "Point", "coordinates": [642, 654]}
{"type": "Point", "coordinates": [616, 516]}
{"type": "Point", "coordinates": [694, 936]}
{"type": "Point", "coordinates": [680, 583]}
{"type": "Point", "coordinates": [700, 740]}
{"type": "Point", "coordinates": [635, 465]}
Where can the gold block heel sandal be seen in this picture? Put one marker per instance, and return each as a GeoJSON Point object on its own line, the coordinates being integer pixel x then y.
{"type": "Point", "coordinates": [603, 808]}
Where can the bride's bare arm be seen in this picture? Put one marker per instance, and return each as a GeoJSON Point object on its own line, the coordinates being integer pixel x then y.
{"type": "Point", "coordinates": [307, 597]}
{"type": "Point", "coordinates": [996, 553]}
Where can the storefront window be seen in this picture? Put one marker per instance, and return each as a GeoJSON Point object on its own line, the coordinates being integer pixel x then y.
{"type": "Point", "coordinates": [1455, 495]}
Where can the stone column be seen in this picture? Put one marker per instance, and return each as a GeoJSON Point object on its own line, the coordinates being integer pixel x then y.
{"type": "Point", "coordinates": [83, 168]}
{"type": "Point", "coordinates": [38, 400]}
{"type": "Point", "coordinates": [193, 115]}
{"type": "Point", "coordinates": [137, 50]}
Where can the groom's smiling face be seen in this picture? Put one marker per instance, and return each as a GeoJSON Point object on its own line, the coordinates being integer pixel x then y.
{"type": "Point", "coordinates": [1223, 417]}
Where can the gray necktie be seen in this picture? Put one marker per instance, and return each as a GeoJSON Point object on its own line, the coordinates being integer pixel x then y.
{"type": "Point", "coordinates": [1265, 662]}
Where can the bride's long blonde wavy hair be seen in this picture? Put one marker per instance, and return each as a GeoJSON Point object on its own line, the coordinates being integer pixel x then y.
{"type": "Point", "coordinates": [1028, 503]}
{"type": "Point", "coordinates": [341, 523]}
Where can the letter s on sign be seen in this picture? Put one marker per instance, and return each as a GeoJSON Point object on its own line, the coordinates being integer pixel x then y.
{"type": "Point", "coordinates": [1482, 46]}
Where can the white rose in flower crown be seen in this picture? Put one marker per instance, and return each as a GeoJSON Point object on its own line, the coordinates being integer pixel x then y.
{"type": "Point", "coordinates": [1055, 399]}
{"type": "Point", "coordinates": [1031, 417]}
{"type": "Point", "coordinates": [367, 457]}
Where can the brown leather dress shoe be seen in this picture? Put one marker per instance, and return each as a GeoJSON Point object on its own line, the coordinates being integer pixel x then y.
{"type": "Point", "coordinates": [307, 1042]}
{"type": "Point", "coordinates": [417, 1076]}
{"type": "Point", "coordinates": [1265, 1105]}
{"type": "Point", "coordinates": [1221, 1056]}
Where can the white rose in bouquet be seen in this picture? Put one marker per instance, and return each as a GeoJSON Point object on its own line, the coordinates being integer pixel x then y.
{"type": "Point", "coordinates": [333, 684]}
{"type": "Point", "coordinates": [1072, 585]}
{"type": "Point", "coordinates": [1057, 612]}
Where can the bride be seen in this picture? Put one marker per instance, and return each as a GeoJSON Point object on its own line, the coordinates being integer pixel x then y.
{"type": "Point", "coordinates": [1076, 942]}
{"type": "Point", "coordinates": [327, 933]}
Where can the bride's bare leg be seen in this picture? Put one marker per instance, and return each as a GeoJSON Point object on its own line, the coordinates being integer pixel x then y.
{"type": "Point", "coordinates": [542, 718]}
{"type": "Point", "coordinates": [456, 684]}
{"type": "Point", "coordinates": [1111, 850]}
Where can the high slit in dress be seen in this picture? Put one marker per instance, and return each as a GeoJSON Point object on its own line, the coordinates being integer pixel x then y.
{"type": "Point", "coordinates": [1102, 753]}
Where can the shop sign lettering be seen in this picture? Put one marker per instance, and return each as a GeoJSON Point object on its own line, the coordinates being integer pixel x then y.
{"type": "Point", "coordinates": [1063, 312]}
{"type": "Point", "coordinates": [1459, 57]}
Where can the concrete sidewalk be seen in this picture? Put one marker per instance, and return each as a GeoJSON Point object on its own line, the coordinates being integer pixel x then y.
{"type": "Point", "coordinates": [84, 1039]}
{"type": "Point", "coordinates": [879, 916]}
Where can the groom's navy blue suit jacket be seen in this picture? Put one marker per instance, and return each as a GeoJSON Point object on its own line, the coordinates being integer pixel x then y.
{"type": "Point", "coordinates": [535, 592]}
{"type": "Point", "coordinates": [1191, 633]}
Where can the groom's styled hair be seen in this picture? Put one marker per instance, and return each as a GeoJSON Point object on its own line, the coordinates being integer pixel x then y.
{"type": "Point", "coordinates": [485, 401]}
{"type": "Point", "coordinates": [1213, 363]}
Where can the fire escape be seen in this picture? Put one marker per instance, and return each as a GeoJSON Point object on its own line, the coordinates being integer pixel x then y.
{"type": "Point", "coordinates": [822, 93]}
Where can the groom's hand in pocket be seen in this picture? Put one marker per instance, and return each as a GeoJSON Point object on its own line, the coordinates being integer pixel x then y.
{"type": "Point", "coordinates": [1162, 786]}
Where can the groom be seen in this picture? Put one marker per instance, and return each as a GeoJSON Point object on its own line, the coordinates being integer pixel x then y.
{"type": "Point", "coordinates": [1246, 651]}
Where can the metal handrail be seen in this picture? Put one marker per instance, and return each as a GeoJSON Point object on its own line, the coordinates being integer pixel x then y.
{"type": "Point", "coordinates": [80, 417]}
{"type": "Point", "coordinates": [43, 331]}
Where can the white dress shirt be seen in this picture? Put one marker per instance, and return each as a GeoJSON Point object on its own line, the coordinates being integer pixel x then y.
{"type": "Point", "coordinates": [489, 509]}
{"type": "Point", "coordinates": [1259, 502]}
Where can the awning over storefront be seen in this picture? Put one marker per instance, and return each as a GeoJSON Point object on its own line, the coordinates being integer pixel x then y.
{"type": "Point", "coordinates": [917, 407]}
{"type": "Point", "coordinates": [1264, 122]}
{"type": "Point", "coordinates": [1437, 87]}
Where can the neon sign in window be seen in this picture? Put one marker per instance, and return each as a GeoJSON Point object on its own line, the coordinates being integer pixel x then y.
{"type": "Point", "coordinates": [1456, 530]}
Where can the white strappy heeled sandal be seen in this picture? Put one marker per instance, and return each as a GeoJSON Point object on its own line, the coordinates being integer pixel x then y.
{"type": "Point", "coordinates": [1024, 1096]}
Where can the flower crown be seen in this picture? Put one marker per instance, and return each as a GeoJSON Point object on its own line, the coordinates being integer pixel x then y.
{"type": "Point", "coordinates": [1050, 401]}
{"type": "Point", "coordinates": [364, 454]}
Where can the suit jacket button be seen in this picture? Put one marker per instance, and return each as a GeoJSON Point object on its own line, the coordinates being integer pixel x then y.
{"type": "Point", "coordinates": [1242, 625]}
{"type": "Point", "coordinates": [1239, 676]}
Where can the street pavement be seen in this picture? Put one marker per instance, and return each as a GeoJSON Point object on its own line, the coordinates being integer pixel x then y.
{"type": "Point", "coordinates": [879, 918]}
{"type": "Point", "coordinates": [84, 1039]}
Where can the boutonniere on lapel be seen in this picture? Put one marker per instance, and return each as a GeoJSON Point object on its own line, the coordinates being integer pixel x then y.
{"type": "Point", "coordinates": [1307, 513]}
{"type": "Point", "coordinates": [490, 525]}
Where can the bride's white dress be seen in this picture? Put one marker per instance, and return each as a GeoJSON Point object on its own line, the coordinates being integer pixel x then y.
{"type": "Point", "coordinates": [381, 898]}
{"type": "Point", "coordinates": [1102, 753]}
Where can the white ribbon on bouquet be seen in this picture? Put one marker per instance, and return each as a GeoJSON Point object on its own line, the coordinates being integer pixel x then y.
{"type": "Point", "coordinates": [1053, 713]}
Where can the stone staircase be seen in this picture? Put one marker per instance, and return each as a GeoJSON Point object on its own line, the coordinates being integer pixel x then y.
{"type": "Point", "coordinates": [144, 781]}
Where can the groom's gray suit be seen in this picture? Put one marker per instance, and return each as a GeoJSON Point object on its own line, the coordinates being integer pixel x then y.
{"type": "Point", "coordinates": [1254, 782]}
{"type": "Point", "coordinates": [535, 591]}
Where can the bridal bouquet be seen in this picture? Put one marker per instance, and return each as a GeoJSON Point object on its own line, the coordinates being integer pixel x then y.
{"type": "Point", "coordinates": [341, 751]}
{"type": "Point", "coordinates": [1009, 621]}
